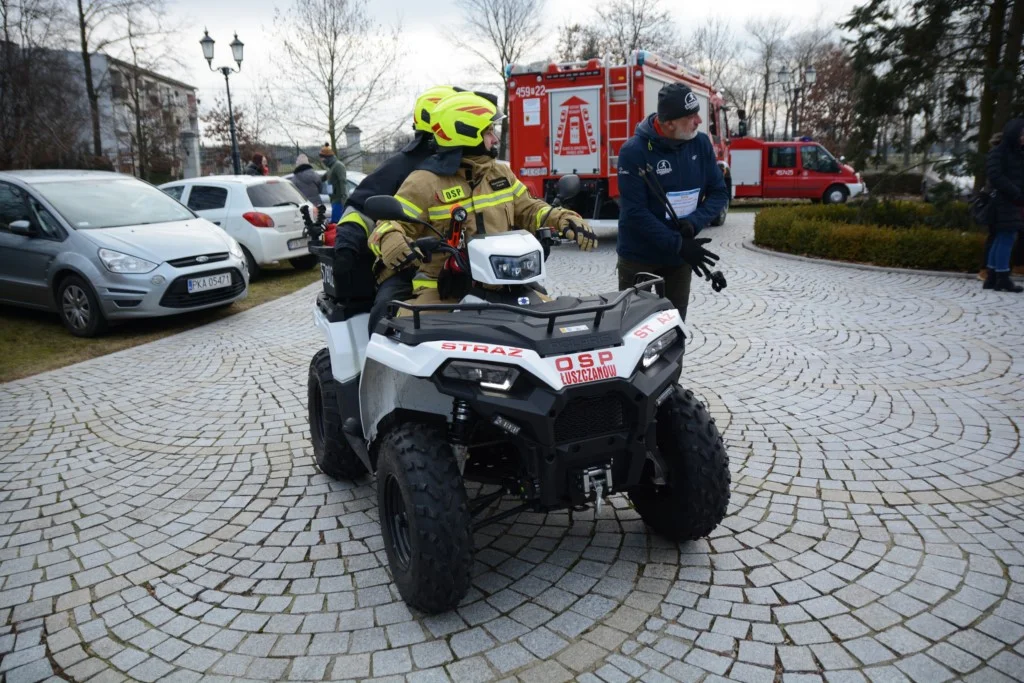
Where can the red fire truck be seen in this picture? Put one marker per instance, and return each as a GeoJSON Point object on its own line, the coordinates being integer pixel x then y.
{"type": "Point", "coordinates": [800, 169]}
{"type": "Point", "coordinates": [573, 117]}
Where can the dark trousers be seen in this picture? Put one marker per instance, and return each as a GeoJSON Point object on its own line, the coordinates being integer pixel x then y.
{"type": "Point", "coordinates": [677, 280]}
{"type": "Point", "coordinates": [398, 286]}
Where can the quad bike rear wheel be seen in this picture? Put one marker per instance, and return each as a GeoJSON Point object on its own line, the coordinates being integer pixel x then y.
{"type": "Point", "coordinates": [695, 497]}
{"type": "Point", "coordinates": [424, 517]}
{"type": "Point", "coordinates": [331, 450]}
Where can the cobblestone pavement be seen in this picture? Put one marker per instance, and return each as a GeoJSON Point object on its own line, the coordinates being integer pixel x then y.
{"type": "Point", "coordinates": [162, 520]}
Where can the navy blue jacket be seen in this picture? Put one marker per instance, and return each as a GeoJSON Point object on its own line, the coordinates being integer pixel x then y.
{"type": "Point", "coordinates": [646, 234]}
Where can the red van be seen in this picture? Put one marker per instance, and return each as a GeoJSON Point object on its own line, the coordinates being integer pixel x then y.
{"type": "Point", "coordinates": [799, 169]}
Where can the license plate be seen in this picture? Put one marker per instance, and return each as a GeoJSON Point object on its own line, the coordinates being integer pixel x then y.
{"type": "Point", "coordinates": [202, 284]}
{"type": "Point", "coordinates": [296, 243]}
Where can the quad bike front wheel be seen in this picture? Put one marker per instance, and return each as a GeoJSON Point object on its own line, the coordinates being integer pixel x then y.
{"type": "Point", "coordinates": [424, 517]}
{"type": "Point", "coordinates": [331, 450]}
{"type": "Point", "coordinates": [695, 496]}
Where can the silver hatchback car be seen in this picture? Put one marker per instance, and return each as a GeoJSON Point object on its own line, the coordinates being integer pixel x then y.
{"type": "Point", "coordinates": [96, 246]}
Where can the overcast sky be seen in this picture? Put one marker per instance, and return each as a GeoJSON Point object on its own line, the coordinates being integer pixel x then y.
{"type": "Point", "coordinates": [431, 56]}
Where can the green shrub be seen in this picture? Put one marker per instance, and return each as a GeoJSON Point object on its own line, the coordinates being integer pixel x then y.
{"type": "Point", "coordinates": [890, 239]}
{"type": "Point", "coordinates": [886, 182]}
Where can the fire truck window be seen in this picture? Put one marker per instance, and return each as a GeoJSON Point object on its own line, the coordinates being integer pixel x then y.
{"type": "Point", "coordinates": [816, 158]}
{"type": "Point", "coordinates": [782, 157]}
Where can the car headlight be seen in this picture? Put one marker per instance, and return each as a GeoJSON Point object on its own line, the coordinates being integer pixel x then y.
{"type": "Point", "coordinates": [235, 249]}
{"type": "Point", "coordinates": [497, 377]}
{"type": "Point", "coordinates": [657, 347]}
{"type": "Point", "coordinates": [516, 267]}
{"type": "Point", "coordinates": [116, 262]}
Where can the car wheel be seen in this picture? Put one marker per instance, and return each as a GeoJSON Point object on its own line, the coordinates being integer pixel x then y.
{"type": "Point", "coordinates": [835, 194]}
{"type": "Point", "coordinates": [303, 262]}
{"type": "Point", "coordinates": [79, 309]}
{"type": "Point", "coordinates": [250, 263]}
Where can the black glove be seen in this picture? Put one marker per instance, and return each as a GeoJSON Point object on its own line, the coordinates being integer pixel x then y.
{"type": "Point", "coordinates": [718, 282]}
{"type": "Point", "coordinates": [686, 229]}
{"type": "Point", "coordinates": [699, 258]}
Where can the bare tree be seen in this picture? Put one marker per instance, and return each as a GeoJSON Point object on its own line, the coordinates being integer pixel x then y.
{"type": "Point", "coordinates": [803, 50]}
{"type": "Point", "coordinates": [579, 42]}
{"type": "Point", "coordinates": [338, 64]}
{"type": "Point", "coordinates": [40, 117]}
{"type": "Point", "coordinates": [97, 29]}
{"type": "Point", "coordinates": [501, 32]}
{"type": "Point", "coordinates": [629, 25]}
{"type": "Point", "coordinates": [717, 49]}
{"type": "Point", "coordinates": [149, 114]}
{"type": "Point", "coordinates": [767, 39]}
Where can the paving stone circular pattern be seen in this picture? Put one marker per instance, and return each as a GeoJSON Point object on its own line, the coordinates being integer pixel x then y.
{"type": "Point", "coordinates": [162, 518]}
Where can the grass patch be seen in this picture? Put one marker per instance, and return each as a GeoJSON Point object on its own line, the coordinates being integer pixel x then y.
{"type": "Point", "coordinates": [35, 341]}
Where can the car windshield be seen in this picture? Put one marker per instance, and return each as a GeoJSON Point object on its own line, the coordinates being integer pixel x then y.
{"type": "Point", "coordinates": [111, 203]}
{"type": "Point", "coordinates": [274, 193]}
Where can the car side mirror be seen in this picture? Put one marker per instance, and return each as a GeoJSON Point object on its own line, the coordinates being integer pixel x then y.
{"type": "Point", "coordinates": [842, 159]}
{"type": "Point", "coordinates": [23, 228]}
{"type": "Point", "coordinates": [568, 186]}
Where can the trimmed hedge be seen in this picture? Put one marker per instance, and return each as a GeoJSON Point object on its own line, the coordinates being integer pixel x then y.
{"type": "Point", "coordinates": [889, 182]}
{"type": "Point", "coordinates": [895, 234]}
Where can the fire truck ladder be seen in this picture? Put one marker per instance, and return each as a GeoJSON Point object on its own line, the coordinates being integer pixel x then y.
{"type": "Point", "coordinates": [619, 96]}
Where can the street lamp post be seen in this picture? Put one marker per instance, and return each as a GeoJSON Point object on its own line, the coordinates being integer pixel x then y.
{"type": "Point", "coordinates": [236, 52]}
{"type": "Point", "coordinates": [799, 81]}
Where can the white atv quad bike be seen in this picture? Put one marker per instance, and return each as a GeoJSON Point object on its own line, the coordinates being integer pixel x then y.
{"type": "Point", "coordinates": [559, 403]}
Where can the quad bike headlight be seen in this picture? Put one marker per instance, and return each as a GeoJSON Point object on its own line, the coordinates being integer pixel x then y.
{"type": "Point", "coordinates": [657, 347]}
{"type": "Point", "coordinates": [517, 267]}
{"type": "Point", "coordinates": [487, 375]}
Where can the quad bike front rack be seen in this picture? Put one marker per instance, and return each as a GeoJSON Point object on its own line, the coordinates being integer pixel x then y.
{"type": "Point", "coordinates": [643, 282]}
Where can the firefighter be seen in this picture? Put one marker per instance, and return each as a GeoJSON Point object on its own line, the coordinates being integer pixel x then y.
{"type": "Point", "coordinates": [464, 172]}
{"type": "Point", "coordinates": [668, 161]}
{"type": "Point", "coordinates": [351, 252]}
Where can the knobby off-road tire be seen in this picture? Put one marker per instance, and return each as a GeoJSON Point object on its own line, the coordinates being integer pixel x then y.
{"type": "Point", "coordinates": [696, 470]}
{"type": "Point", "coordinates": [333, 455]}
{"type": "Point", "coordinates": [424, 517]}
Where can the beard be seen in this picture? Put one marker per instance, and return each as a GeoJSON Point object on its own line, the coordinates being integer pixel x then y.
{"type": "Point", "coordinates": [686, 136]}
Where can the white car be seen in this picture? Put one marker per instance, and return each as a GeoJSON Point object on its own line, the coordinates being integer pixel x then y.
{"type": "Point", "coordinates": [261, 212]}
{"type": "Point", "coordinates": [352, 179]}
{"type": "Point", "coordinates": [947, 170]}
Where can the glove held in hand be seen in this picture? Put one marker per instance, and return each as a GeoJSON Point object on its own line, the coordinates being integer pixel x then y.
{"type": "Point", "coordinates": [699, 259]}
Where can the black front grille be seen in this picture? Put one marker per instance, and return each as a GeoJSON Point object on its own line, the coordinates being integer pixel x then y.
{"type": "Point", "coordinates": [177, 295]}
{"type": "Point", "coordinates": [590, 416]}
{"type": "Point", "coordinates": [194, 260]}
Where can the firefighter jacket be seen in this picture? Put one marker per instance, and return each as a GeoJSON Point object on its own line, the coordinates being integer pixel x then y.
{"type": "Point", "coordinates": [494, 198]}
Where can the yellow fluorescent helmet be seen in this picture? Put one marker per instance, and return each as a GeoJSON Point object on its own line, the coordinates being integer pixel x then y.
{"type": "Point", "coordinates": [461, 119]}
{"type": "Point", "coordinates": [425, 105]}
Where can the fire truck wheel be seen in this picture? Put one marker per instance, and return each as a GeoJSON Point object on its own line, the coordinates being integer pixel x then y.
{"type": "Point", "coordinates": [835, 194]}
{"type": "Point", "coordinates": [720, 218]}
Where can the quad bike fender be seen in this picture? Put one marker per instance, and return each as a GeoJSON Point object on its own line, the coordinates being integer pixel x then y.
{"type": "Point", "coordinates": [558, 372]}
{"type": "Point", "coordinates": [346, 341]}
{"type": "Point", "coordinates": [384, 390]}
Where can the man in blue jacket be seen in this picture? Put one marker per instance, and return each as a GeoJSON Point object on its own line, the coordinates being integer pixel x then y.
{"type": "Point", "coordinates": [668, 159]}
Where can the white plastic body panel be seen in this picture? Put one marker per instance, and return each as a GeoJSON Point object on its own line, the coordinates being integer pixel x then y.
{"type": "Point", "coordinates": [347, 343]}
{"type": "Point", "coordinates": [558, 372]}
{"type": "Point", "coordinates": [512, 243]}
